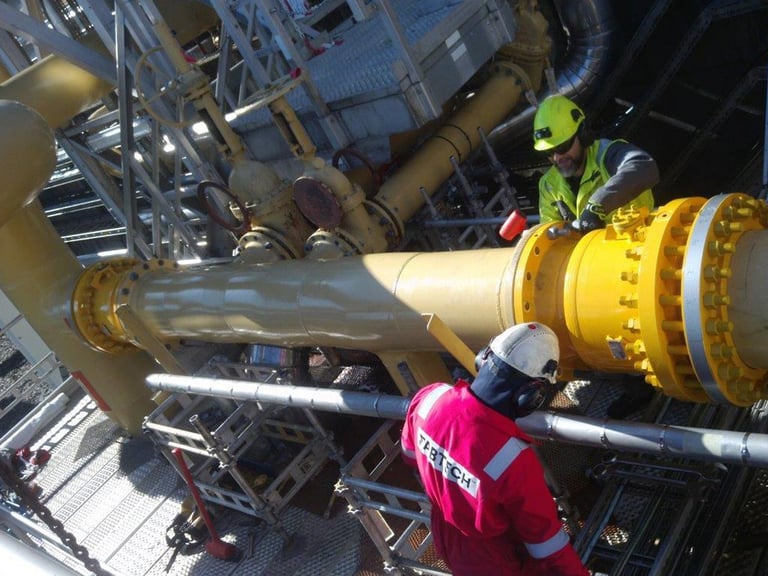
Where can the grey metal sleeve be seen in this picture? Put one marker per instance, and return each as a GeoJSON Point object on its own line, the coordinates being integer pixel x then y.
{"type": "Point", "coordinates": [632, 171]}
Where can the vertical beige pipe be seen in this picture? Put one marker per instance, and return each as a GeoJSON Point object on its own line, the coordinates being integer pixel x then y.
{"type": "Point", "coordinates": [38, 271]}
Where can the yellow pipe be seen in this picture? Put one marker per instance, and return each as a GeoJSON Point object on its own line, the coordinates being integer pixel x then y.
{"type": "Point", "coordinates": [27, 150]}
{"type": "Point", "coordinates": [518, 69]}
{"type": "Point", "coordinates": [56, 88]}
{"type": "Point", "coordinates": [431, 165]}
{"type": "Point", "coordinates": [372, 302]}
{"type": "Point", "coordinates": [648, 294]}
{"type": "Point", "coordinates": [37, 270]}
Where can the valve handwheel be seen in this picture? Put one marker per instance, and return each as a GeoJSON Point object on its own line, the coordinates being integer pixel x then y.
{"type": "Point", "coordinates": [202, 196]}
{"type": "Point", "coordinates": [352, 152]}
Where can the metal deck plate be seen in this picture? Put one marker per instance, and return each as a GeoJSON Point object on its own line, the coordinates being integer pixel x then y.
{"type": "Point", "coordinates": [119, 496]}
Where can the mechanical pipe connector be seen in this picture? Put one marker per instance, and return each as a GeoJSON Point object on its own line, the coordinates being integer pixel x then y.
{"type": "Point", "coordinates": [94, 306]}
{"type": "Point", "coordinates": [678, 296]}
{"type": "Point", "coordinates": [724, 317]}
{"type": "Point", "coordinates": [99, 292]}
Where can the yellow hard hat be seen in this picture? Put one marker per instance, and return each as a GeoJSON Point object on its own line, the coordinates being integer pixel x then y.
{"type": "Point", "coordinates": [557, 119]}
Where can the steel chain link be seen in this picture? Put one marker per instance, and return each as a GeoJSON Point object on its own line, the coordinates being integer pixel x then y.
{"type": "Point", "coordinates": [30, 500]}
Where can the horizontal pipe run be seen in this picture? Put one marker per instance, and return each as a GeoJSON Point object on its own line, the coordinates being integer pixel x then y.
{"type": "Point", "coordinates": [341, 401]}
{"type": "Point", "coordinates": [488, 221]}
{"type": "Point", "coordinates": [724, 446]}
{"type": "Point", "coordinates": [710, 445]}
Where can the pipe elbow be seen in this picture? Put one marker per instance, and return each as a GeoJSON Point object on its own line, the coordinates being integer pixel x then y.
{"type": "Point", "coordinates": [27, 156]}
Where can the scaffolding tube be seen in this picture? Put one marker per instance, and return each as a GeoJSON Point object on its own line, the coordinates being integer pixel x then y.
{"type": "Point", "coordinates": [729, 447]}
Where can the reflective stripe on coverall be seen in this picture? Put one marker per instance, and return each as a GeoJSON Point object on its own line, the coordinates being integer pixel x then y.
{"type": "Point", "coordinates": [492, 513]}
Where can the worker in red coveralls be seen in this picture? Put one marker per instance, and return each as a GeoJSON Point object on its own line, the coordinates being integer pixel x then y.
{"type": "Point", "coordinates": [492, 513]}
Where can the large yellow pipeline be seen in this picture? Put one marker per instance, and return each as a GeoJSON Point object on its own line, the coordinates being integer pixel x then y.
{"type": "Point", "coordinates": [431, 165]}
{"type": "Point", "coordinates": [650, 295]}
{"type": "Point", "coordinates": [37, 270]}
{"type": "Point", "coordinates": [519, 71]}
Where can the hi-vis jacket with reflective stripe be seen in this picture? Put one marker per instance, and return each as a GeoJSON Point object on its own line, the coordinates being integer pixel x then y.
{"type": "Point", "coordinates": [492, 513]}
{"type": "Point", "coordinates": [616, 174]}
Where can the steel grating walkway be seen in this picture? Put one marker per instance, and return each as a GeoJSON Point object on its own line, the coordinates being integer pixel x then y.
{"type": "Point", "coordinates": [638, 515]}
{"type": "Point", "coordinates": [118, 497]}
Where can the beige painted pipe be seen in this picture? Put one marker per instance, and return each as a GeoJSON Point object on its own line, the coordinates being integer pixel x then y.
{"type": "Point", "coordinates": [431, 165]}
{"type": "Point", "coordinates": [27, 152]}
{"type": "Point", "coordinates": [38, 271]}
{"type": "Point", "coordinates": [371, 302]}
{"type": "Point", "coordinates": [57, 89]}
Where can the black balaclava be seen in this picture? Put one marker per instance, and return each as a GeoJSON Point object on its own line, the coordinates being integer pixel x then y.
{"type": "Point", "coordinates": [497, 385]}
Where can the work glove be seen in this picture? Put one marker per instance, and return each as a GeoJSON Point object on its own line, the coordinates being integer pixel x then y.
{"type": "Point", "coordinates": [591, 218]}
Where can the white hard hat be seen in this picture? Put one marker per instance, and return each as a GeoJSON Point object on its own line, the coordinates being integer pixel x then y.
{"type": "Point", "coordinates": [530, 348]}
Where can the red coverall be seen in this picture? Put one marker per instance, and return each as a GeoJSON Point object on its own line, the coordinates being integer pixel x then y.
{"type": "Point", "coordinates": [492, 513]}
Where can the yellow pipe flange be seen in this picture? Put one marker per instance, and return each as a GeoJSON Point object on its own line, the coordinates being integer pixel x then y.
{"type": "Point", "coordinates": [93, 304]}
{"type": "Point", "coordinates": [706, 274]}
{"type": "Point", "coordinates": [659, 289]}
{"type": "Point", "coordinates": [539, 266]}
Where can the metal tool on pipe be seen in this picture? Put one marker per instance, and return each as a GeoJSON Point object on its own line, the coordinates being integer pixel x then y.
{"type": "Point", "coordinates": [745, 448]}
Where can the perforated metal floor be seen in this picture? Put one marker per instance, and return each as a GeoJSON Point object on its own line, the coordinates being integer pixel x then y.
{"type": "Point", "coordinates": [118, 497]}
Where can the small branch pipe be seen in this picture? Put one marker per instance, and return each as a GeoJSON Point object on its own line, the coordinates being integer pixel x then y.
{"type": "Point", "coordinates": [431, 165]}
{"type": "Point", "coordinates": [743, 448]}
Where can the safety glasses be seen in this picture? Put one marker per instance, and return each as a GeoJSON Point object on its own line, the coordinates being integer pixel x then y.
{"type": "Point", "coordinates": [561, 149]}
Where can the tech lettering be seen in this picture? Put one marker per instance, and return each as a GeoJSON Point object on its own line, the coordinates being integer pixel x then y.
{"type": "Point", "coordinates": [439, 458]}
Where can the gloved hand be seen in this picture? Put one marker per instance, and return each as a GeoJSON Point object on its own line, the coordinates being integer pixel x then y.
{"type": "Point", "coordinates": [591, 218]}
